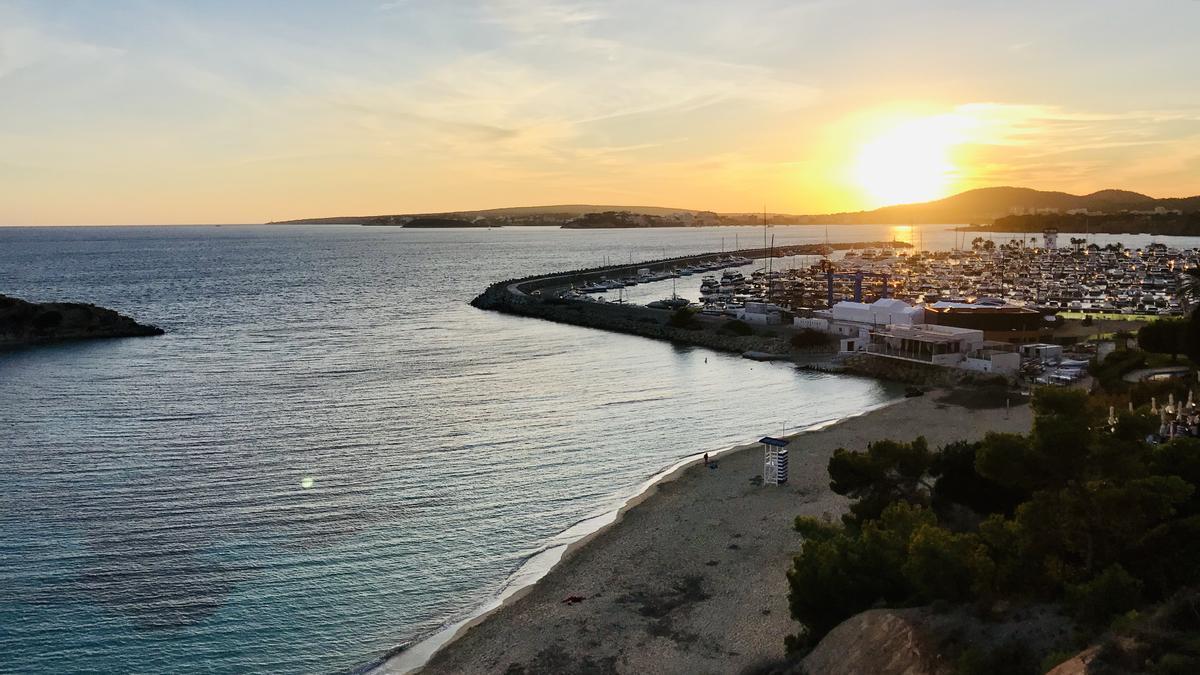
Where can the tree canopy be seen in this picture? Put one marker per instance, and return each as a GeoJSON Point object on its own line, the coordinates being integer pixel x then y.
{"type": "Point", "coordinates": [1077, 512]}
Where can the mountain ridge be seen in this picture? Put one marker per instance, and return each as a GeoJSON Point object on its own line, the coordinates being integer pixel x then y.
{"type": "Point", "coordinates": [970, 206]}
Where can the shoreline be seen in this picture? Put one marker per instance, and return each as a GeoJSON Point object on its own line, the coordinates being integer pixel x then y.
{"type": "Point", "coordinates": [692, 576]}
{"type": "Point", "coordinates": [411, 659]}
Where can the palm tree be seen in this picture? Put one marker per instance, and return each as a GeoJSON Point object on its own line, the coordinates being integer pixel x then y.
{"type": "Point", "coordinates": [1189, 291]}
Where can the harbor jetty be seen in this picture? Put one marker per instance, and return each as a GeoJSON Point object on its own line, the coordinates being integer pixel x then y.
{"type": "Point", "coordinates": [544, 297]}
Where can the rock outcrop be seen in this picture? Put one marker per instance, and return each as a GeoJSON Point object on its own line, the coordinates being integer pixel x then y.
{"type": "Point", "coordinates": [920, 641]}
{"type": "Point", "coordinates": [26, 323]}
{"type": "Point", "coordinates": [880, 641]}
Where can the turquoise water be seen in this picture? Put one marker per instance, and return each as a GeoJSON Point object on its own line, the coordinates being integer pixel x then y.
{"type": "Point", "coordinates": [330, 453]}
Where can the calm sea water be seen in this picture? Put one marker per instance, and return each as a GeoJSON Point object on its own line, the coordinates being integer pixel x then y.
{"type": "Point", "coordinates": [330, 453]}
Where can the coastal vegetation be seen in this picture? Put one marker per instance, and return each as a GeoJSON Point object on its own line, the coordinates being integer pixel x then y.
{"type": "Point", "coordinates": [1079, 515]}
{"type": "Point", "coordinates": [807, 338]}
{"type": "Point", "coordinates": [1127, 222]}
{"type": "Point", "coordinates": [443, 222]}
{"type": "Point", "coordinates": [1180, 336]}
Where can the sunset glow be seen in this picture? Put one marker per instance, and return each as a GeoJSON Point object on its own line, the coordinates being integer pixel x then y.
{"type": "Point", "coordinates": [121, 113]}
{"type": "Point", "coordinates": [911, 162]}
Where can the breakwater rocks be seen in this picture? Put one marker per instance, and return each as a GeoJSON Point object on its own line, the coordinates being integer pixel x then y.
{"type": "Point", "coordinates": [643, 321]}
{"type": "Point", "coordinates": [25, 323]}
{"type": "Point", "coordinates": [925, 374]}
{"type": "Point", "coordinates": [536, 296]}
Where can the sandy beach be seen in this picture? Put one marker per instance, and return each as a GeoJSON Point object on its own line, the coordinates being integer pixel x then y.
{"type": "Point", "coordinates": [691, 579]}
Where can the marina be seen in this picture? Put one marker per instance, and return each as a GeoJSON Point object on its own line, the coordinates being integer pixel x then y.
{"type": "Point", "coordinates": [1139, 283]}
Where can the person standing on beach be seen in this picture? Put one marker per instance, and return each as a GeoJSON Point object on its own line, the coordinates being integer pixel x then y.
{"type": "Point", "coordinates": [706, 459]}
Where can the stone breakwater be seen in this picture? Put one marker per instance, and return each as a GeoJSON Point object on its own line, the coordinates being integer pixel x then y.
{"type": "Point", "coordinates": [25, 323]}
{"type": "Point", "coordinates": [535, 296]}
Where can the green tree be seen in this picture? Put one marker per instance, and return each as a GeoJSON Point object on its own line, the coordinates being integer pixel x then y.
{"type": "Point", "coordinates": [1112, 592]}
{"type": "Point", "coordinates": [836, 576]}
{"type": "Point", "coordinates": [942, 565]}
{"type": "Point", "coordinates": [1179, 457]}
{"type": "Point", "coordinates": [1165, 337]}
{"type": "Point", "coordinates": [1189, 290]}
{"type": "Point", "coordinates": [889, 471]}
{"type": "Point", "coordinates": [959, 484]}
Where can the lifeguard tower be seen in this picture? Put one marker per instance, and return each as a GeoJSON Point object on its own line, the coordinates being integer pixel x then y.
{"type": "Point", "coordinates": [775, 460]}
{"type": "Point", "coordinates": [1050, 238]}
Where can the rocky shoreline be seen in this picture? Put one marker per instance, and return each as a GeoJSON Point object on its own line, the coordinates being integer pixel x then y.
{"type": "Point", "coordinates": [24, 323]}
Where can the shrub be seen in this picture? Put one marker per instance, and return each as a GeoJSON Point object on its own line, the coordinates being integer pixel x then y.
{"type": "Point", "coordinates": [815, 529]}
{"type": "Point", "coordinates": [947, 566]}
{"type": "Point", "coordinates": [838, 576]}
{"type": "Point", "coordinates": [1112, 592]}
{"type": "Point", "coordinates": [1164, 337]}
{"type": "Point", "coordinates": [959, 483]}
{"type": "Point", "coordinates": [684, 317]}
{"type": "Point", "coordinates": [737, 327]}
{"type": "Point", "coordinates": [1012, 658]}
{"type": "Point", "coordinates": [807, 337]}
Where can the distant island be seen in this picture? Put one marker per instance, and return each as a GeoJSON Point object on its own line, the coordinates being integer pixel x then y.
{"type": "Point", "coordinates": [436, 222]}
{"type": "Point", "coordinates": [24, 323]}
{"type": "Point", "coordinates": [995, 208]}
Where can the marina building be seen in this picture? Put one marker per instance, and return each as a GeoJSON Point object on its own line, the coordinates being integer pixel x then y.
{"type": "Point", "coordinates": [853, 322]}
{"type": "Point", "coordinates": [999, 322]}
{"type": "Point", "coordinates": [947, 346]}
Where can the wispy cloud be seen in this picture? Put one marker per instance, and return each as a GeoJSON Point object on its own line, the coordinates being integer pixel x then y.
{"type": "Point", "coordinates": [536, 16]}
{"type": "Point", "coordinates": [1052, 145]}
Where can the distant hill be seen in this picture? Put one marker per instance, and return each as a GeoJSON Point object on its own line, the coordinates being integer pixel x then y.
{"type": "Point", "coordinates": [988, 204]}
{"type": "Point", "coordinates": [543, 215]}
{"type": "Point", "coordinates": [983, 205]}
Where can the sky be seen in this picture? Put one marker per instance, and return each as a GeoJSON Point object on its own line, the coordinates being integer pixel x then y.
{"type": "Point", "coordinates": [238, 112]}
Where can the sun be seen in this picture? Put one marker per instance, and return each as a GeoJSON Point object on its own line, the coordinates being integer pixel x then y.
{"type": "Point", "coordinates": [910, 161]}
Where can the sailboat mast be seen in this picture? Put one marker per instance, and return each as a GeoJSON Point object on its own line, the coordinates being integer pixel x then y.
{"type": "Point", "coordinates": [770, 267]}
{"type": "Point", "coordinates": [764, 226]}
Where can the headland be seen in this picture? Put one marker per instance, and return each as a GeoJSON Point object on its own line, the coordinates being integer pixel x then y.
{"type": "Point", "coordinates": [25, 323]}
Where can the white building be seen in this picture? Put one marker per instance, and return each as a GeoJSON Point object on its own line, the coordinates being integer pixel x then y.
{"type": "Point", "coordinates": [1045, 353]}
{"type": "Point", "coordinates": [947, 346]}
{"type": "Point", "coordinates": [761, 313]}
{"type": "Point", "coordinates": [854, 321]}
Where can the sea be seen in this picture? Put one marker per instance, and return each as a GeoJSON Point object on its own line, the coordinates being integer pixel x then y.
{"type": "Point", "coordinates": [330, 455]}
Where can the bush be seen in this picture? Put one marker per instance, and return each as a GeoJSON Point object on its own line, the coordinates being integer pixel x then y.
{"type": "Point", "coordinates": [941, 565]}
{"type": "Point", "coordinates": [1114, 591]}
{"type": "Point", "coordinates": [737, 327]}
{"type": "Point", "coordinates": [842, 574]}
{"type": "Point", "coordinates": [958, 483]}
{"type": "Point", "coordinates": [1012, 658]}
{"type": "Point", "coordinates": [1103, 522]}
{"type": "Point", "coordinates": [807, 337]}
{"type": "Point", "coordinates": [1164, 337]}
{"type": "Point", "coordinates": [684, 317]}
